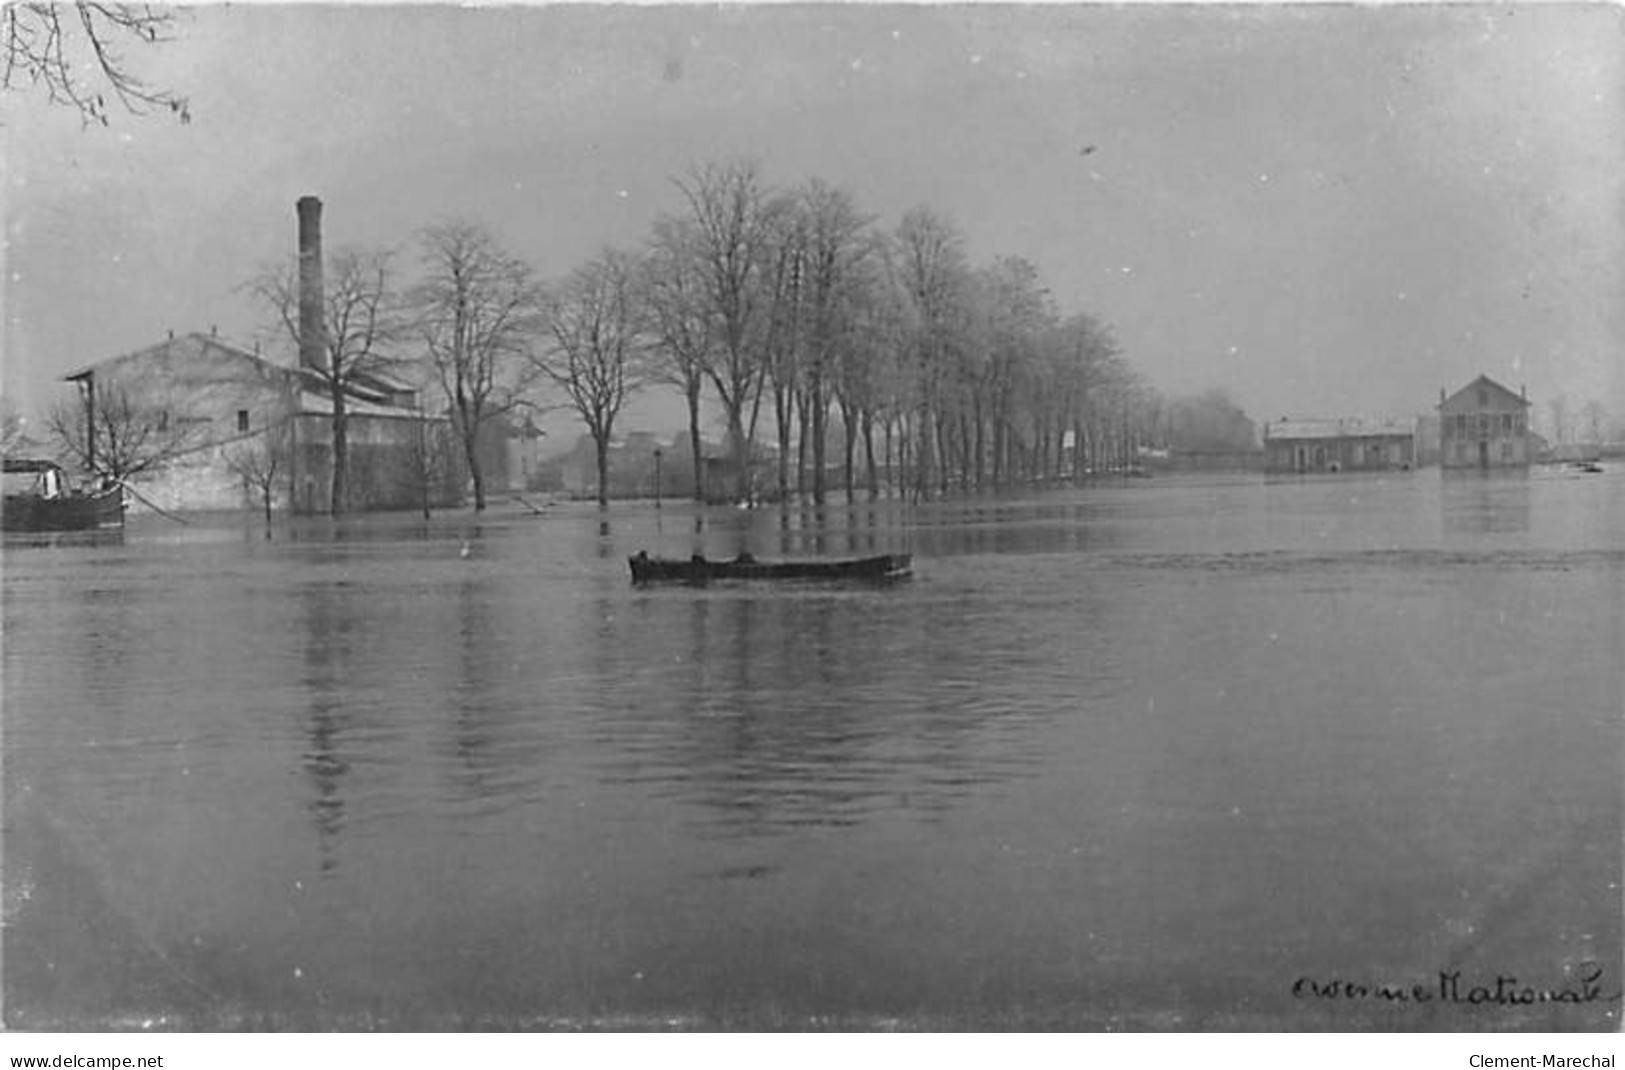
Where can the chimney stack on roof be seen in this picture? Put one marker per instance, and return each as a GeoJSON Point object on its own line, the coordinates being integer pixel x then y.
{"type": "Point", "coordinates": [312, 326]}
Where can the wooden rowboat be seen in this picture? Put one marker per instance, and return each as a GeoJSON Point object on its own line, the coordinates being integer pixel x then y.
{"type": "Point", "coordinates": [697, 569]}
{"type": "Point", "coordinates": [38, 498]}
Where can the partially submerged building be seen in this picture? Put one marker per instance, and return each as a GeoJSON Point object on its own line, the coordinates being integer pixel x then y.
{"type": "Point", "coordinates": [1339, 445]}
{"type": "Point", "coordinates": [1484, 425]}
{"type": "Point", "coordinates": [223, 410]}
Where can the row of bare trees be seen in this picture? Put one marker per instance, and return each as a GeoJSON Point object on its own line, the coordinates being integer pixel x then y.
{"type": "Point", "coordinates": [924, 372]}
{"type": "Point", "coordinates": [882, 357]}
{"type": "Point", "coordinates": [935, 373]}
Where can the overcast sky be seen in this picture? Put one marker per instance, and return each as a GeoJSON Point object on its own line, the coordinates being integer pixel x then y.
{"type": "Point", "coordinates": [1326, 210]}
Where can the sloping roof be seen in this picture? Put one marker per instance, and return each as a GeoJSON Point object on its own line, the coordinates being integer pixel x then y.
{"type": "Point", "coordinates": [192, 346]}
{"type": "Point", "coordinates": [1343, 427]}
{"type": "Point", "coordinates": [314, 399]}
{"type": "Point", "coordinates": [1484, 380]}
{"type": "Point", "coordinates": [362, 391]}
{"type": "Point", "coordinates": [367, 397]}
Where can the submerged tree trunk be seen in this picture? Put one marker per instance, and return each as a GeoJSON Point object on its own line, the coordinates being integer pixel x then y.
{"type": "Point", "coordinates": [471, 453]}
{"type": "Point", "coordinates": [891, 465]}
{"type": "Point", "coordinates": [781, 414]}
{"type": "Point", "coordinates": [869, 454]}
{"type": "Point", "coordinates": [341, 452]}
{"type": "Point", "coordinates": [601, 447]}
{"type": "Point", "coordinates": [694, 440]}
{"type": "Point", "coordinates": [981, 442]}
{"type": "Point", "coordinates": [941, 429]}
{"type": "Point", "coordinates": [820, 422]}
{"type": "Point", "coordinates": [849, 430]}
{"type": "Point", "coordinates": [803, 429]}
{"type": "Point", "coordinates": [964, 451]}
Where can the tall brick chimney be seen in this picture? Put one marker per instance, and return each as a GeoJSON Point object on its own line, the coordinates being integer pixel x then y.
{"type": "Point", "coordinates": [312, 324]}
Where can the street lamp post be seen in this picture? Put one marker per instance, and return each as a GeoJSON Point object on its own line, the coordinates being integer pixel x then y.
{"type": "Point", "coordinates": [657, 477]}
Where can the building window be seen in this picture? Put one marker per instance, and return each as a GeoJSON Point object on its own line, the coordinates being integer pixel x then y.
{"type": "Point", "coordinates": [242, 421]}
{"type": "Point", "coordinates": [1506, 423]}
{"type": "Point", "coordinates": [1506, 451]}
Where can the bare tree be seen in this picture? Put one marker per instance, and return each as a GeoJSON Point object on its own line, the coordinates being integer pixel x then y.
{"type": "Point", "coordinates": [1084, 356]}
{"type": "Point", "coordinates": [430, 459]}
{"type": "Point", "coordinates": [783, 283]}
{"type": "Point", "coordinates": [75, 53]}
{"type": "Point", "coordinates": [868, 341]}
{"type": "Point", "coordinates": [929, 262]}
{"type": "Point", "coordinates": [675, 303]}
{"type": "Point", "coordinates": [837, 244]}
{"type": "Point", "coordinates": [1017, 317]}
{"type": "Point", "coordinates": [362, 320]}
{"type": "Point", "coordinates": [263, 462]}
{"type": "Point", "coordinates": [477, 312]}
{"type": "Point", "coordinates": [732, 217]}
{"type": "Point", "coordinates": [594, 348]}
{"type": "Point", "coordinates": [1559, 407]}
{"type": "Point", "coordinates": [119, 435]}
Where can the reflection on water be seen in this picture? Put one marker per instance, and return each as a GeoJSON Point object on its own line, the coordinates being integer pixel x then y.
{"type": "Point", "coordinates": [327, 630]}
{"type": "Point", "coordinates": [815, 709]}
{"type": "Point", "coordinates": [1475, 502]}
{"type": "Point", "coordinates": [1127, 756]}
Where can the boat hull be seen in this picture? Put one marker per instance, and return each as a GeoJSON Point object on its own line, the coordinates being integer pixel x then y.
{"type": "Point", "coordinates": [880, 568]}
{"type": "Point", "coordinates": [74, 512]}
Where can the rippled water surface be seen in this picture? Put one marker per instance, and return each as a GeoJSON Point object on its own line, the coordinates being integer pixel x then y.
{"type": "Point", "coordinates": [1178, 753]}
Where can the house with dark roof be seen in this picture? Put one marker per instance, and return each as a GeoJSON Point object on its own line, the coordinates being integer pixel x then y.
{"type": "Point", "coordinates": [1339, 445]}
{"type": "Point", "coordinates": [1484, 425]}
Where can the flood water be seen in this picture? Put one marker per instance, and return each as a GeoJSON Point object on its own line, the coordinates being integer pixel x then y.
{"type": "Point", "coordinates": [1178, 753]}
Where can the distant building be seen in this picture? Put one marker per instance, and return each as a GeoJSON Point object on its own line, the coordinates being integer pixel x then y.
{"type": "Point", "coordinates": [1427, 439]}
{"type": "Point", "coordinates": [237, 401]}
{"type": "Point", "coordinates": [521, 444]}
{"type": "Point", "coordinates": [1483, 425]}
{"type": "Point", "coordinates": [639, 466]}
{"type": "Point", "coordinates": [1339, 445]}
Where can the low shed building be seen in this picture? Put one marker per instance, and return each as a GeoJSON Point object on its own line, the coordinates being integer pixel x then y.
{"type": "Point", "coordinates": [1339, 445]}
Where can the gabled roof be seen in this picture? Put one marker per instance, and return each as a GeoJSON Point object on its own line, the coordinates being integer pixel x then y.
{"type": "Point", "coordinates": [193, 345]}
{"type": "Point", "coordinates": [1344, 427]}
{"type": "Point", "coordinates": [371, 393]}
{"type": "Point", "coordinates": [1484, 380]}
